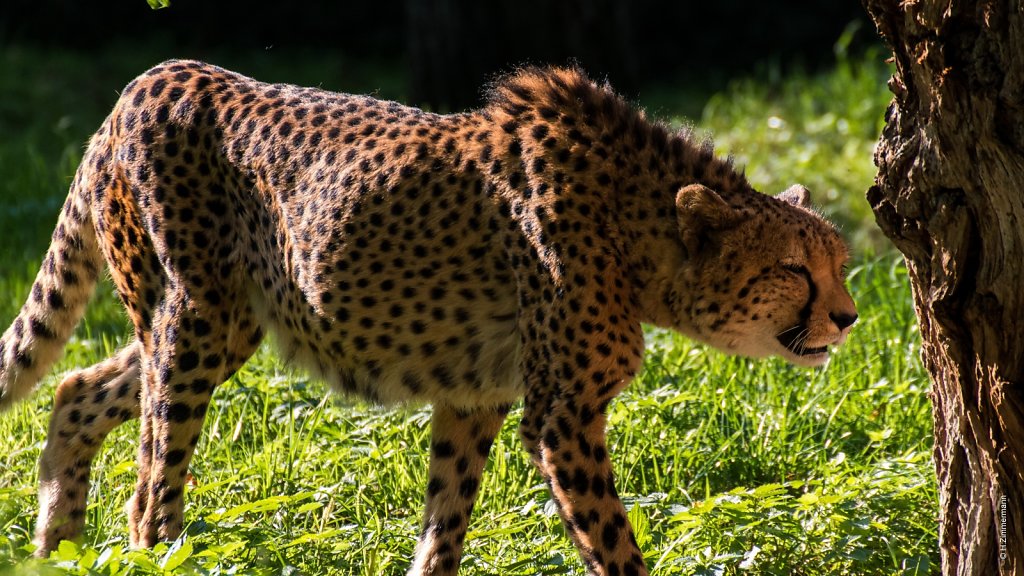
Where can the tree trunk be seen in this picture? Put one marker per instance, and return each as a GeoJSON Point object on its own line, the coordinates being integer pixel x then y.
{"type": "Point", "coordinates": [949, 195]}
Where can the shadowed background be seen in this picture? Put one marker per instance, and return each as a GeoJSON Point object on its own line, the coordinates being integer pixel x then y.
{"type": "Point", "coordinates": [442, 51]}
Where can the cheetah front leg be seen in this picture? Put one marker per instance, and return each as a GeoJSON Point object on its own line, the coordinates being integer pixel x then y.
{"type": "Point", "coordinates": [563, 428]}
{"type": "Point", "coordinates": [460, 443]}
{"type": "Point", "coordinates": [575, 463]}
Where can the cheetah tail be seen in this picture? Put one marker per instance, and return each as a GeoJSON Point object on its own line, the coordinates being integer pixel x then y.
{"type": "Point", "coordinates": [62, 288]}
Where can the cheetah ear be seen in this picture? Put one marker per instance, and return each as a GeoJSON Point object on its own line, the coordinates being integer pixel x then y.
{"type": "Point", "coordinates": [796, 195]}
{"type": "Point", "coordinates": [701, 212]}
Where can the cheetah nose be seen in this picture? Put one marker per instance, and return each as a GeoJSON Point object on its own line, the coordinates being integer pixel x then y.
{"type": "Point", "coordinates": [843, 320]}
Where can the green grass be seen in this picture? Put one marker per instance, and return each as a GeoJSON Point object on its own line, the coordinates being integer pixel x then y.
{"type": "Point", "coordinates": [728, 465]}
{"type": "Point", "coordinates": [819, 130]}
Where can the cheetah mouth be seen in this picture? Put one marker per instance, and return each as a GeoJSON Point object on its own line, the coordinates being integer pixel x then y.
{"type": "Point", "coordinates": [809, 351]}
{"type": "Point", "coordinates": [795, 340]}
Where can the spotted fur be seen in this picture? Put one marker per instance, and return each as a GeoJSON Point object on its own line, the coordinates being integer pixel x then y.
{"type": "Point", "coordinates": [466, 260]}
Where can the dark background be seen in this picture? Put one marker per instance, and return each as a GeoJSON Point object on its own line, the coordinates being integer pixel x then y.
{"type": "Point", "coordinates": [440, 52]}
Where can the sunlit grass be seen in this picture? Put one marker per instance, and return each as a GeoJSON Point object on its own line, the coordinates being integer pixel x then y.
{"type": "Point", "coordinates": [727, 465]}
{"type": "Point", "coordinates": [816, 129]}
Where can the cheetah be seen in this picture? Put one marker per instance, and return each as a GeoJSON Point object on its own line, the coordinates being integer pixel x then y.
{"type": "Point", "coordinates": [466, 260]}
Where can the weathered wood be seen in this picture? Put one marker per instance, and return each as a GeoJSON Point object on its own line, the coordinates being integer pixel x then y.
{"type": "Point", "coordinates": [949, 195]}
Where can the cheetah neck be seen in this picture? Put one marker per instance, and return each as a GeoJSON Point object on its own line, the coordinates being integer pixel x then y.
{"type": "Point", "coordinates": [581, 151]}
{"type": "Point", "coordinates": [645, 215]}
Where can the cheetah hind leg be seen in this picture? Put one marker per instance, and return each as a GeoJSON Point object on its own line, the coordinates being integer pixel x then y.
{"type": "Point", "coordinates": [178, 379]}
{"type": "Point", "coordinates": [89, 403]}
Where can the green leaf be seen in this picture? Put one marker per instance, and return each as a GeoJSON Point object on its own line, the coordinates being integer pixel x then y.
{"type": "Point", "coordinates": [879, 435]}
{"type": "Point", "coordinates": [179, 552]}
{"type": "Point", "coordinates": [308, 507]}
{"type": "Point", "coordinates": [225, 550]}
{"type": "Point", "coordinates": [111, 556]}
{"type": "Point", "coordinates": [67, 551]}
{"type": "Point", "coordinates": [314, 537]}
{"type": "Point", "coordinates": [158, 4]}
{"type": "Point", "coordinates": [264, 505]}
{"type": "Point", "coordinates": [141, 559]}
{"type": "Point", "coordinates": [641, 526]}
{"type": "Point", "coordinates": [809, 499]}
{"type": "Point", "coordinates": [123, 467]}
{"type": "Point", "coordinates": [87, 559]}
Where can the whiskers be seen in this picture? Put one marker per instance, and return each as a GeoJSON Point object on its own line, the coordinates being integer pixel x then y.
{"type": "Point", "coordinates": [795, 338]}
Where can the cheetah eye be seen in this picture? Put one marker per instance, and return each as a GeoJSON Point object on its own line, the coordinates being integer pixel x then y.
{"type": "Point", "coordinates": [795, 268]}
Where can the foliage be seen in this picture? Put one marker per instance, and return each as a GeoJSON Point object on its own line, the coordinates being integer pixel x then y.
{"type": "Point", "coordinates": [819, 130]}
{"type": "Point", "coordinates": [728, 465]}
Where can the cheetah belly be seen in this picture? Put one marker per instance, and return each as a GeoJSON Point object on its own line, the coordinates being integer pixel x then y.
{"type": "Point", "coordinates": [464, 361]}
{"type": "Point", "coordinates": [482, 371]}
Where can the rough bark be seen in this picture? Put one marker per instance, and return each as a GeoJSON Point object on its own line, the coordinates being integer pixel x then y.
{"type": "Point", "coordinates": [949, 195]}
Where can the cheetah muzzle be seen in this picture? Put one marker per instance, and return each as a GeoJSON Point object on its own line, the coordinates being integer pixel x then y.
{"type": "Point", "coordinates": [466, 260]}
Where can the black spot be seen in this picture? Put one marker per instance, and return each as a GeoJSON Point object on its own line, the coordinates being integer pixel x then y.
{"type": "Point", "coordinates": [188, 361]}
{"type": "Point", "coordinates": [200, 386]}
{"type": "Point", "coordinates": [201, 327]}
{"type": "Point", "coordinates": [157, 88]}
{"type": "Point", "coordinates": [443, 449]}
{"type": "Point", "coordinates": [483, 447]}
{"type": "Point", "coordinates": [435, 486]}
{"type": "Point", "coordinates": [179, 412]}
{"type": "Point", "coordinates": [41, 330]}
{"type": "Point", "coordinates": [468, 487]}
{"type": "Point", "coordinates": [411, 382]}
{"type": "Point", "coordinates": [443, 376]}
{"type": "Point", "coordinates": [55, 299]}
{"type": "Point", "coordinates": [551, 440]}
{"type": "Point", "coordinates": [170, 495]}
{"type": "Point", "coordinates": [610, 536]}
{"type": "Point", "coordinates": [174, 457]}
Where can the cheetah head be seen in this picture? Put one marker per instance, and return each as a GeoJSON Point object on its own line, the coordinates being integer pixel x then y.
{"type": "Point", "coordinates": [765, 277]}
